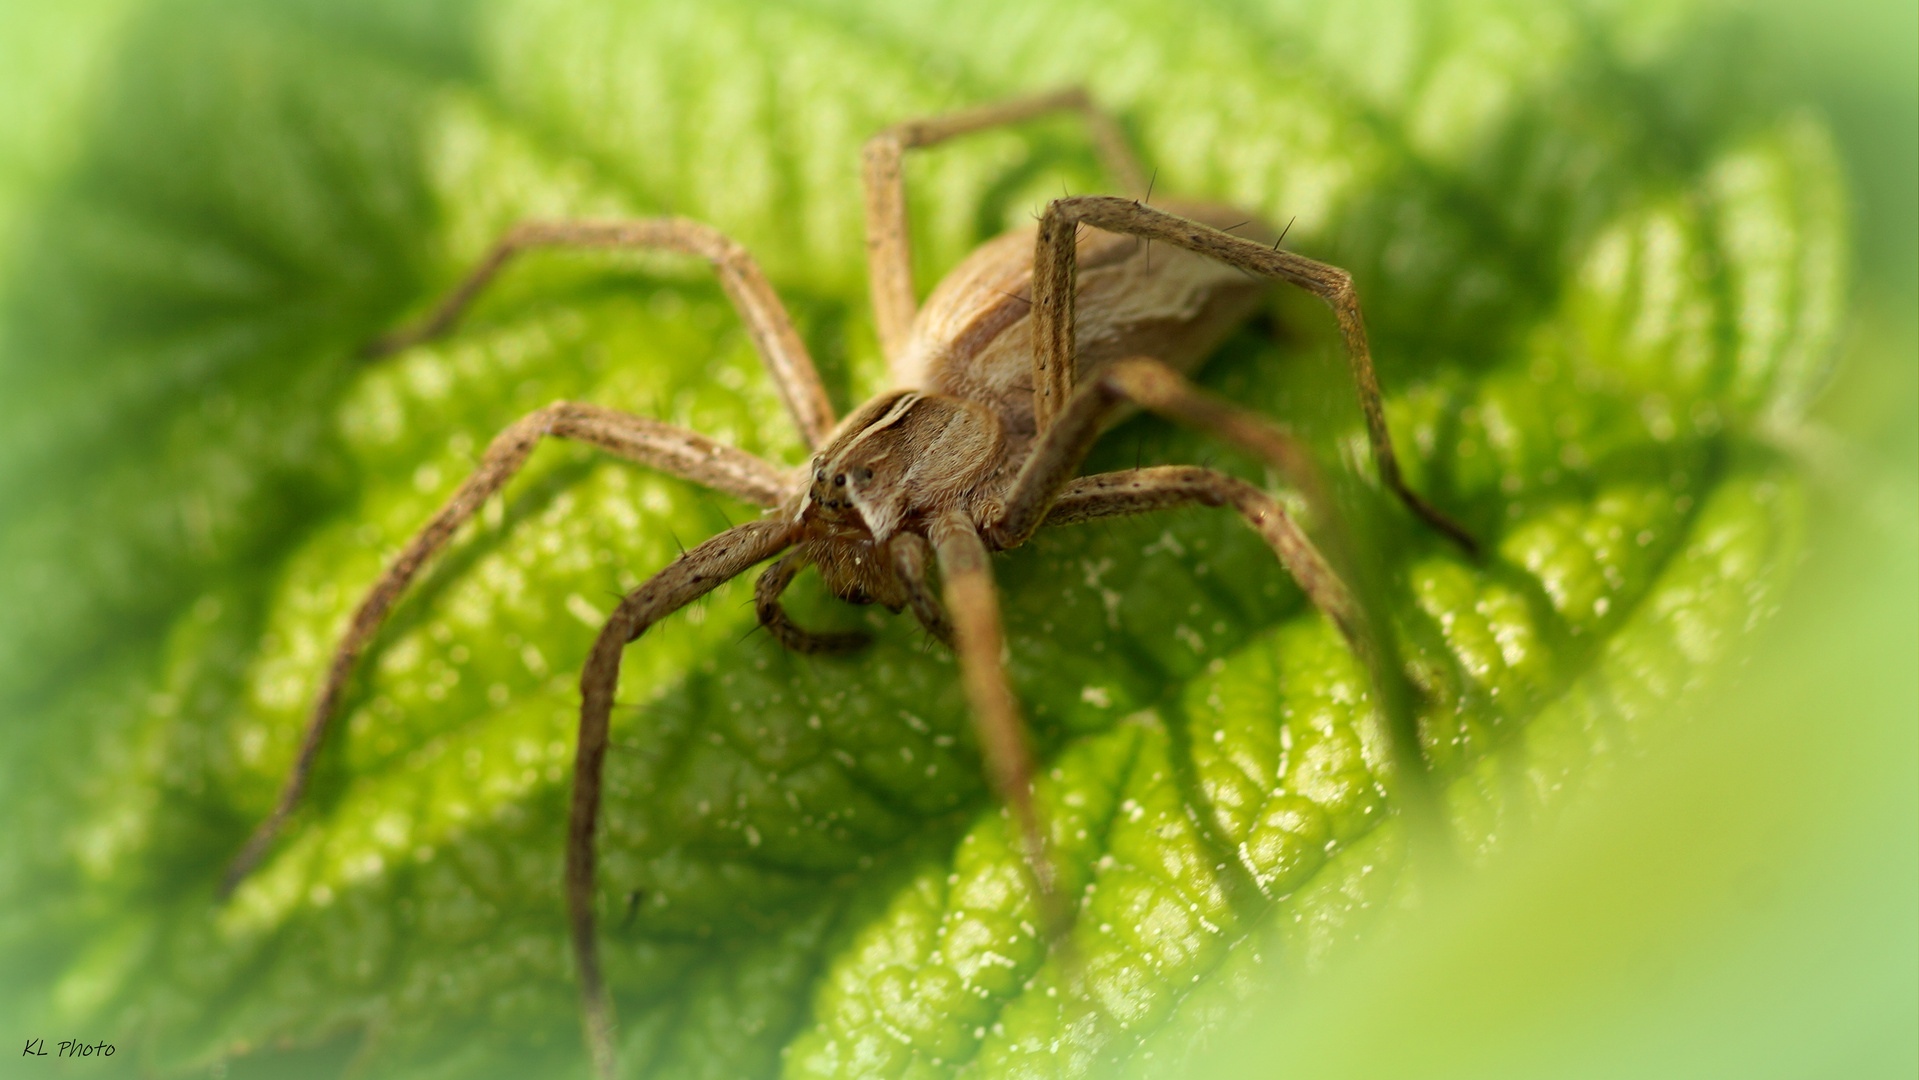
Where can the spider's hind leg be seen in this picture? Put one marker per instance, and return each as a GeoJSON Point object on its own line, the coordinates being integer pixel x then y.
{"type": "Point", "coordinates": [889, 250]}
{"type": "Point", "coordinates": [767, 323]}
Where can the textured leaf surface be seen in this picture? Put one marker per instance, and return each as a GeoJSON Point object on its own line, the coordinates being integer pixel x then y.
{"type": "Point", "coordinates": [1593, 266]}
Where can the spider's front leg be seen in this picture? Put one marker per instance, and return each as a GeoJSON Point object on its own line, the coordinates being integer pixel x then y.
{"type": "Point", "coordinates": [1055, 269]}
{"type": "Point", "coordinates": [972, 602]}
{"type": "Point", "coordinates": [695, 574]}
{"type": "Point", "coordinates": [1071, 415]}
{"type": "Point", "coordinates": [686, 454]}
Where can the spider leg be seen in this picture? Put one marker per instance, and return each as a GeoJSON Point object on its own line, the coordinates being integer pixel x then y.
{"type": "Point", "coordinates": [1140, 491]}
{"type": "Point", "coordinates": [1162, 487]}
{"type": "Point", "coordinates": [690, 577]}
{"type": "Point", "coordinates": [973, 603]}
{"type": "Point", "coordinates": [1055, 269]}
{"type": "Point", "coordinates": [767, 323]}
{"type": "Point", "coordinates": [683, 453]}
{"type": "Point", "coordinates": [766, 603]}
{"type": "Point", "coordinates": [889, 252]}
{"type": "Point", "coordinates": [910, 553]}
{"type": "Point", "coordinates": [1042, 486]}
{"type": "Point", "coordinates": [1043, 482]}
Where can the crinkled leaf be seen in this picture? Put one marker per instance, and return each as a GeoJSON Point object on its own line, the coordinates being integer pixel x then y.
{"type": "Point", "coordinates": [1595, 268]}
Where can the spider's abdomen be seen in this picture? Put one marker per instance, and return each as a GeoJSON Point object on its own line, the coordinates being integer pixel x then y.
{"type": "Point", "coordinates": [973, 337]}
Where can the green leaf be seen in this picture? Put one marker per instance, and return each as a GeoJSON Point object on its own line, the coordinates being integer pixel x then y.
{"type": "Point", "coordinates": [1601, 274]}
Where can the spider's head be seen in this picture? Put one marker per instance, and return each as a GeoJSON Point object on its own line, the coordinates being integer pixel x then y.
{"type": "Point", "coordinates": [899, 458]}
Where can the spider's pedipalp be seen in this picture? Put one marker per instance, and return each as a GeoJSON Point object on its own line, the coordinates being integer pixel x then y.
{"type": "Point", "coordinates": [766, 604]}
{"type": "Point", "coordinates": [911, 555]}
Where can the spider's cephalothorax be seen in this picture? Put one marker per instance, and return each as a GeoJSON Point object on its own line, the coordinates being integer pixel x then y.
{"type": "Point", "coordinates": [1023, 354]}
{"type": "Point", "coordinates": [899, 463]}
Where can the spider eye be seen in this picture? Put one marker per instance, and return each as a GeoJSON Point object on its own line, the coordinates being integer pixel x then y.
{"type": "Point", "coordinates": [840, 480]}
{"type": "Point", "coordinates": [819, 476]}
{"type": "Point", "coordinates": [864, 474]}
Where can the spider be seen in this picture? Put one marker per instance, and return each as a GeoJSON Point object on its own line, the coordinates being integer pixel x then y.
{"type": "Point", "coordinates": [1002, 381]}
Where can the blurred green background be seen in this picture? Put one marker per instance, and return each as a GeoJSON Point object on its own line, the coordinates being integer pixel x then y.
{"type": "Point", "coordinates": [1742, 900]}
{"type": "Point", "coordinates": [1774, 932]}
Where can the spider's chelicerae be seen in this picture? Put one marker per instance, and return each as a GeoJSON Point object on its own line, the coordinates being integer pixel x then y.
{"type": "Point", "coordinates": [1001, 383]}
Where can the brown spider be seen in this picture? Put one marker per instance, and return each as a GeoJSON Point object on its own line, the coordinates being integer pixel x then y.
{"type": "Point", "coordinates": [1003, 381]}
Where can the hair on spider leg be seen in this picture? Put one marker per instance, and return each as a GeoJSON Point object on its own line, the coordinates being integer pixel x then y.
{"type": "Point", "coordinates": [707, 500]}
{"type": "Point", "coordinates": [1283, 232]}
{"type": "Point", "coordinates": [1148, 201]}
